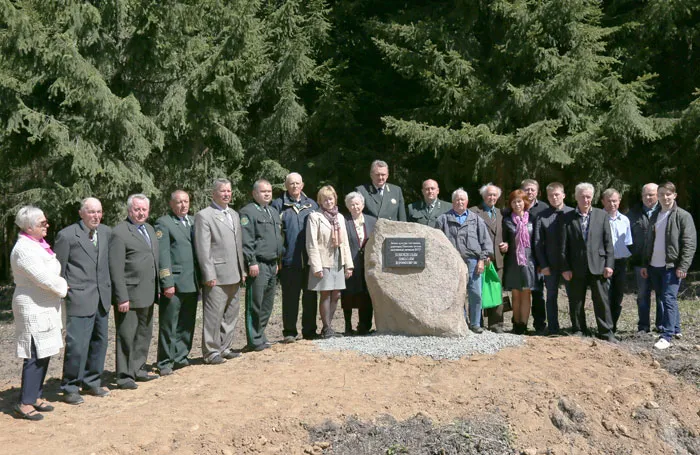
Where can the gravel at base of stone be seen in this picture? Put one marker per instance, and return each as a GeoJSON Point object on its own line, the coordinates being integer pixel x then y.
{"type": "Point", "coordinates": [436, 347]}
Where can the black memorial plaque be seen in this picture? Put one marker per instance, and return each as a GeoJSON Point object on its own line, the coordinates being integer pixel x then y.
{"type": "Point", "coordinates": [404, 252]}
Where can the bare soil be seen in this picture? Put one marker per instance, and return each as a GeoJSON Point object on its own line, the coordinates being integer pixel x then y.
{"type": "Point", "coordinates": [565, 395]}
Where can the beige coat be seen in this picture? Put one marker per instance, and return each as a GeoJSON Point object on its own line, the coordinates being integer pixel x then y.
{"type": "Point", "coordinates": [319, 243]}
{"type": "Point", "coordinates": [36, 303]}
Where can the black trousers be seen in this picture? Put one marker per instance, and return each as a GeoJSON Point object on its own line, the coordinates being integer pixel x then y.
{"type": "Point", "coordinates": [176, 320]}
{"type": "Point", "coordinates": [86, 348]}
{"type": "Point", "coordinates": [33, 375]}
{"type": "Point", "coordinates": [259, 300]}
{"type": "Point", "coordinates": [134, 331]}
{"type": "Point", "coordinates": [617, 290]}
{"type": "Point", "coordinates": [363, 302]}
{"type": "Point", "coordinates": [539, 307]}
{"type": "Point", "coordinates": [600, 288]}
{"type": "Point", "coordinates": [294, 282]}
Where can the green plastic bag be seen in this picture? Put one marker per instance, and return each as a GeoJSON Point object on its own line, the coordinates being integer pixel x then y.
{"type": "Point", "coordinates": [490, 288]}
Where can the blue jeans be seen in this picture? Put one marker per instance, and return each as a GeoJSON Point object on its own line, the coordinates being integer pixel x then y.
{"type": "Point", "coordinates": [644, 302]}
{"type": "Point", "coordinates": [552, 306]}
{"type": "Point", "coordinates": [474, 294]}
{"type": "Point", "coordinates": [666, 284]}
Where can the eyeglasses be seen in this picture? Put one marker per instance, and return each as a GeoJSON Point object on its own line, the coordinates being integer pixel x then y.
{"type": "Point", "coordinates": [44, 223]}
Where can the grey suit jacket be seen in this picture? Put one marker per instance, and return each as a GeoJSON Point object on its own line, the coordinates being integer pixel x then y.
{"type": "Point", "coordinates": [133, 265]}
{"type": "Point", "coordinates": [219, 247]}
{"type": "Point", "coordinates": [390, 207]}
{"type": "Point", "coordinates": [85, 268]}
{"type": "Point", "coordinates": [579, 256]}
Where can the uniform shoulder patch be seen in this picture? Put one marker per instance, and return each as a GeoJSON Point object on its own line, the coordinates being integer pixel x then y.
{"type": "Point", "coordinates": [244, 220]}
{"type": "Point", "coordinates": [164, 273]}
{"type": "Point", "coordinates": [159, 233]}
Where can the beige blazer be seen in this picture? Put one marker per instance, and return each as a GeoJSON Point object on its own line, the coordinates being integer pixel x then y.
{"type": "Point", "coordinates": [319, 243]}
{"type": "Point", "coordinates": [219, 246]}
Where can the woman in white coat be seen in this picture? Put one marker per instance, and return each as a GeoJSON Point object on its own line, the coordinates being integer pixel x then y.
{"type": "Point", "coordinates": [36, 306]}
{"type": "Point", "coordinates": [330, 261]}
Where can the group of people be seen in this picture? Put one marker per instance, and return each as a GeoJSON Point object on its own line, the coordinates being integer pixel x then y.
{"type": "Point", "coordinates": [537, 247]}
{"type": "Point", "coordinates": [318, 255]}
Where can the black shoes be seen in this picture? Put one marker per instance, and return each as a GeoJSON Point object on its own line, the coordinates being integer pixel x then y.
{"type": "Point", "coordinates": [97, 392]}
{"type": "Point", "coordinates": [146, 377]}
{"type": "Point", "coordinates": [44, 406]}
{"type": "Point", "coordinates": [72, 398]}
{"type": "Point", "coordinates": [183, 364]}
{"type": "Point", "coordinates": [31, 415]}
{"type": "Point", "coordinates": [128, 385]}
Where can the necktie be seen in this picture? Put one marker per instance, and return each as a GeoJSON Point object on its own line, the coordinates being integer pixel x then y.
{"type": "Point", "coordinates": [584, 227]}
{"type": "Point", "coordinates": [431, 207]}
{"type": "Point", "coordinates": [381, 192]}
{"type": "Point", "coordinates": [93, 237]}
{"type": "Point", "coordinates": [229, 218]}
{"type": "Point", "coordinates": [144, 233]}
{"type": "Point", "coordinates": [185, 222]}
{"type": "Point", "coordinates": [490, 213]}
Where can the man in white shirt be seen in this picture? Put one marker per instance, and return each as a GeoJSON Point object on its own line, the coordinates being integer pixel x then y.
{"type": "Point", "coordinates": [622, 239]}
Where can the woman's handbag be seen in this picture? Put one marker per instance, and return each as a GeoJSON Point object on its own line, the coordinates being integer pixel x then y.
{"type": "Point", "coordinates": [490, 288]}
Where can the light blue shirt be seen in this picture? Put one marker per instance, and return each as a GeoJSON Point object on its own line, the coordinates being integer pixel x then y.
{"type": "Point", "coordinates": [461, 219]}
{"type": "Point", "coordinates": [621, 235]}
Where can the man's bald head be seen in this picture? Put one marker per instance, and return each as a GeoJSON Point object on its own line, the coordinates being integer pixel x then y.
{"type": "Point", "coordinates": [430, 190]}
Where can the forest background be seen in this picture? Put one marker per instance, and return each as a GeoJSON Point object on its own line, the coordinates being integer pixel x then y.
{"type": "Point", "coordinates": [110, 97]}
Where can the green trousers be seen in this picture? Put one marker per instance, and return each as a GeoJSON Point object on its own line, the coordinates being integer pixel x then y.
{"type": "Point", "coordinates": [259, 299]}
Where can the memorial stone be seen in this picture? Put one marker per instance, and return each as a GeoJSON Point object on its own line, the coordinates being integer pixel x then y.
{"type": "Point", "coordinates": [417, 280]}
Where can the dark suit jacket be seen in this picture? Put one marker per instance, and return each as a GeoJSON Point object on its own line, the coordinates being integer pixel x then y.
{"type": "Point", "coordinates": [176, 258]}
{"type": "Point", "coordinates": [495, 228]}
{"type": "Point", "coordinates": [391, 206]}
{"type": "Point", "coordinates": [85, 268]}
{"type": "Point", "coordinates": [418, 212]}
{"type": "Point", "coordinates": [356, 283]}
{"type": "Point", "coordinates": [537, 209]}
{"type": "Point", "coordinates": [548, 238]}
{"type": "Point", "coordinates": [594, 255]}
{"type": "Point", "coordinates": [133, 265]}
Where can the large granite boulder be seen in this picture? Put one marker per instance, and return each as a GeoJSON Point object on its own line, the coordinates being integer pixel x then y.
{"type": "Point", "coordinates": [415, 301]}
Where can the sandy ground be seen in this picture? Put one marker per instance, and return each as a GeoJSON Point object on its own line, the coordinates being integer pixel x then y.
{"type": "Point", "coordinates": [564, 395]}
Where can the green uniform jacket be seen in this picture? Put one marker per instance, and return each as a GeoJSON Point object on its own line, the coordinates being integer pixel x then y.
{"type": "Point", "coordinates": [418, 212]}
{"type": "Point", "coordinates": [262, 234]}
{"type": "Point", "coordinates": [177, 260]}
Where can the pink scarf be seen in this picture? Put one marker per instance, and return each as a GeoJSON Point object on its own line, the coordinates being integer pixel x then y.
{"type": "Point", "coordinates": [332, 217]}
{"type": "Point", "coordinates": [522, 236]}
{"type": "Point", "coordinates": [44, 244]}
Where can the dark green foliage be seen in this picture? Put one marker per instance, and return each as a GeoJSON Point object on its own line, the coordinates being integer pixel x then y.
{"type": "Point", "coordinates": [112, 97]}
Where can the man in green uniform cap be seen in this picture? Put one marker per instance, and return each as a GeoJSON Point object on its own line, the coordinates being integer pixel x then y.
{"type": "Point", "coordinates": [262, 249]}
{"type": "Point", "coordinates": [177, 308]}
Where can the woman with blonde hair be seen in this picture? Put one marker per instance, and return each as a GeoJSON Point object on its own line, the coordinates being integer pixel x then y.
{"type": "Point", "coordinates": [36, 307]}
{"type": "Point", "coordinates": [330, 261]}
